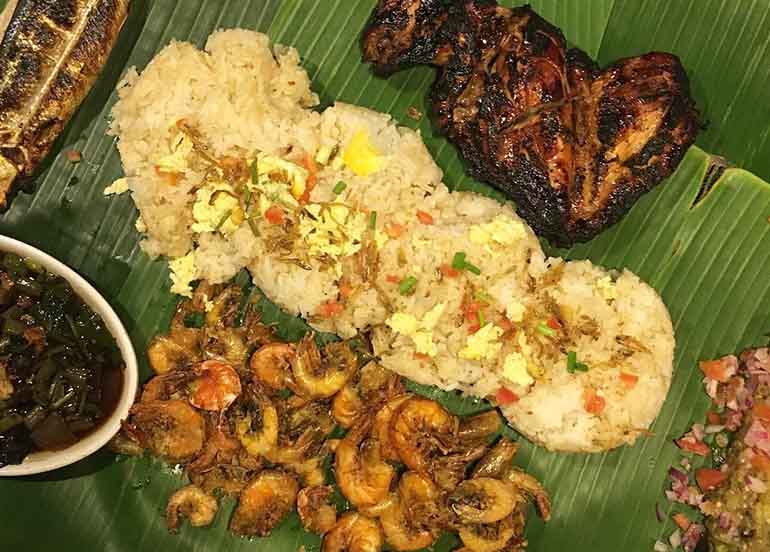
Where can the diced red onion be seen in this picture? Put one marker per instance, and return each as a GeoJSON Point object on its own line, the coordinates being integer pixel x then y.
{"type": "Point", "coordinates": [660, 546]}
{"type": "Point", "coordinates": [678, 475]}
{"type": "Point", "coordinates": [697, 431]}
{"type": "Point", "coordinates": [711, 429]}
{"type": "Point", "coordinates": [692, 536]}
{"type": "Point", "coordinates": [757, 436]}
{"type": "Point", "coordinates": [671, 496]}
{"type": "Point", "coordinates": [685, 463]}
{"type": "Point", "coordinates": [712, 386]}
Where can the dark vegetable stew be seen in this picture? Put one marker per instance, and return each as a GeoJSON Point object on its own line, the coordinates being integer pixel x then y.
{"type": "Point", "coordinates": [61, 372]}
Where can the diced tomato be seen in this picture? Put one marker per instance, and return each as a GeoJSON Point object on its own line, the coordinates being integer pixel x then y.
{"type": "Point", "coordinates": [716, 370]}
{"type": "Point", "coordinates": [274, 215]}
{"type": "Point", "coordinates": [505, 325]}
{"type": "Point", "coordinates": [629, 380]}
{"type": "Point", "coordinates": [330, 309]}
{"type": "Point", "coordinates": [346, 290]}
{"type": "Point", "coordinates": [424, 217]}
{"type": "Point", "coordinates": [713, 418]}
{"type": "Point", "coordinates": [761, 461]}
{"type": "Point", "coordinates": [422, 357]}
{"type": "Point", "coordinates": [472, 311]}
{"type": "Point", "coordinates": [709, 478]}
{"type": "Point", "coordinates": [394, 229]}
{"type": "Point", "coordinates": [505, 396]}
{"type": "Point", "coordinates": [593, 403]}
{"type": "Point", "coordinates": [554, 323]}
{"type": "Point", "coordinates": [473, 328]}
{"type": "Point", "coordinates": [448, 271]}
{"type": "Point", "coordinates": [311, 180]}
{"type": "Point", "coordinates": [681, 521]}
{"type": "Point", "coordinates": [393, 278]}
{"type": "Point", "coordinates": [691, 445]}
{"type": "Point", "coordinates": [761, 410]}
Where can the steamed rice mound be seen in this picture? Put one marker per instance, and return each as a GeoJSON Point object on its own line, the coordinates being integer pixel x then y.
{"type": "Point", "coordinates": [453, 286]}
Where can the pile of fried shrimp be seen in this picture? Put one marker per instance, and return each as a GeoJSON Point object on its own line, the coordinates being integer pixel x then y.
{"type": "Point", "coordinates": [251, 417]}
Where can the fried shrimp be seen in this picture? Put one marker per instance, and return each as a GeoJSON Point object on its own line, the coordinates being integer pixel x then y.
{"type": "Point", "coordinates": [220, 447]}
{"type": "Point", "coordinates": [353, 533]}
{"type": "Point", "coordinates": [264, 503]}
{"type": "Point", "coordinates": [315, 512]}
{"type": "Point", "coordinates": [366, 392]}
{"type": "Point", "coordinates": [479, 428]}
{"type": "Point", "coordinates": [492, 537]}
{"type": "Point", "coordinates": [256, 423]}
{"type": "Point", "coordinates": [175, 350]}
{"type": "Point", "coordinates": [532, 488]}
{"type": "Point", "coordinates": [193, 503]}
{"type": "Point", "coordinates": [347, 406]}
{"type": "Point", "coordinates": [172, 430]}
{"type": "Point", "coordinates": [321, 376]}
{"type": "Point", "coordinates": [216, 386]}
{"type": "Point", "coordinates": [420, 428]}
{"type": "Point", "coordinates": [225, 343]}
{"type": "Point", "coordinates": [382, 427]}
{"type": "Point", "coordinates": [497, 461]}
{"type": "Point", "coordinates": [271, 365]}
{"type": "Point", "coordinates": [483, 500]}
{"type": "Point", "coordinates": [165, 386]}
{"type": "Point", "coordinates": [362, 475]}
{"type": "Point", "coordinates": [406, 522]}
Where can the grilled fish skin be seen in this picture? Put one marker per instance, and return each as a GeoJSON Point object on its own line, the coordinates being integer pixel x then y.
{"type": "Point", "coordinates": [51, 53]}
{"type": "Point", "coordinates": [572, 144]}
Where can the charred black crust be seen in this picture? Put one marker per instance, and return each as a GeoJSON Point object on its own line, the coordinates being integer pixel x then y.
{"type": "Point", "coordinates": [540, 122]}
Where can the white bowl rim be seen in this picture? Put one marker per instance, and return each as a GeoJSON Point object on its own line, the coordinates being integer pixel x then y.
{"type": "Point", "coordinates": [44, 461]}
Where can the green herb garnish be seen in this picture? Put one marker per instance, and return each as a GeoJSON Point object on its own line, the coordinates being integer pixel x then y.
{"type": "Point", "coordinates": [223, 220]}
{"type": "Point", "coordinates": [407, 285]}
{"type": "Point", "coordinates": [482, 320]}
{"type": "Point", "coordinates": [194, 320]}
{"type": "Point", "coordinates": [254, 172]}
{"type": "Point", "coordinates": [546, 330]}
{"type": "Point", "coordinates": [573, 365]}
{"type": "Point", "coordinates": [459, 263]}
{"type": "Point", "coordinates": [373, 220]}
{"type": "Point", "coordinates": [339, 187]}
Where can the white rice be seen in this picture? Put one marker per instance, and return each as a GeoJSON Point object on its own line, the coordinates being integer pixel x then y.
{"type": "Point", "coordinates": [246, 97]}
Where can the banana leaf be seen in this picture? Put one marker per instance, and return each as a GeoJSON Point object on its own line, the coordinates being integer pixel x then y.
{"type": "Point", "coordinates": [702, 239]}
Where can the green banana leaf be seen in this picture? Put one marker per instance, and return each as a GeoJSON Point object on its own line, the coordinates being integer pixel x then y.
{"type": "Point", "coordinates": [702, 239]}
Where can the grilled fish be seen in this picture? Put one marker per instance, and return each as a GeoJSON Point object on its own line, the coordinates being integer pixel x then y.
{"type": "Point", "coordinates": [572, 144]}
{"type": "Point", "coordinates": [50, 55]}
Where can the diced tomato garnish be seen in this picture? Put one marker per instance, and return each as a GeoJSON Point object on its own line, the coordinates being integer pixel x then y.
{"type": "Point", "coordinates": [422, 357]}
{"type": "Point", "coordinates": [394, 229]}
{"type": "Point", "coordinates": [346, 290]}
{"type": "Point", "coordinates": [696, 447]}
{"type": "Point", "coordinates": [274, 215]}
{"type": "Point", "coordinates": [393, 278]}
{"type": "Point", "coordinates": [424, 217]}
{"type": "Point", "coordinates": [554, 323]}
{"type": "Point", "coordinates": [716, 370]}
{"type": "Point", "coordinates": [593, 403]}
{"type": "Point", "coordinates": [505, 325]}
{"type": "Point", "coordinates": [472, 311]}
{"type": "Point", "coordinates": [709, 478]}
{"type": "Point", "coordinates": [629, 380]}
{"type": "Point", "coordinates": [761, 461]}
{"type": "Point", "coordinates": [761, 410]}
{"type": "Point", "coordinates": [713, 418]}
{"type": "Point", "coordinates": [448, 271]}
{"type": "Point", "coordinates": [311, 180]}
{"type": "Point", "coordinates": [330, 309]}
{"type": "Point", "coordinates": [681, 521]}
{"type": "Point", "coordinates": [505, 396]}
{"type": "Point", "coordinates": [473, 328]}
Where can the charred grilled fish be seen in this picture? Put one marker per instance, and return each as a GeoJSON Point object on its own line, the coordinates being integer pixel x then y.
{"type": "Point", "coordinates": [50, 55]}
{"type": "Point", "coordinates": [572, 144]}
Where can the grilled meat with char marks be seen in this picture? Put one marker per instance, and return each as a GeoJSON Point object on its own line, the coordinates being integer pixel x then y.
{"type": "Point", "coordinates": [572, 144]}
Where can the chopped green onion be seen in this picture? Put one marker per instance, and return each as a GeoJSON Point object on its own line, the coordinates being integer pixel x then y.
{"type": "Point", "coordinates": [247, 199]}
{"type": "Point", "coordinates": [223, 220]}
{"type": "Point", "coordinates": [546, 330]}
{"type": "Point", "coordinates": [406, 286]}
{"type": "Point", "coordinates": [373, 220]}
{"type": "Point", "coordinates": [472, 268]}
{"type": "Point", "coordinates": [482, 320]}
{"type": "Point", "coordinates": [253, 226]}
{"type": "Point", "coordinates": [458, 262]}
{"type": "Point", "coordinates": [254, 172]}
{"type": "Point", "coordinates": [482, 296]}
{"type": "Point", "coordinates": [339, 188]}
{"type": "Point", "coordinates": [194, 320]}
{"type": "Point", "coordinates": [573, 365]}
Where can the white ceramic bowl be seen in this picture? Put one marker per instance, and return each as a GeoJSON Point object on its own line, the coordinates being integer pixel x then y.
{"type": "Point", "coordinates": [39, 462]}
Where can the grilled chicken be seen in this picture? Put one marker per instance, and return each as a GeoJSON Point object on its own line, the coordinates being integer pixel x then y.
{"type": "Point", "coordinates": [572, 144]}
{"type": "Point", "coordinates": [50, 55]}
